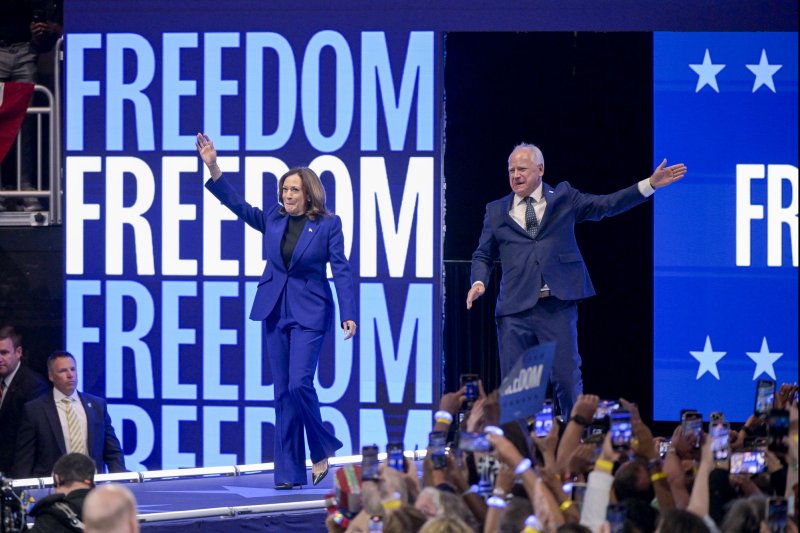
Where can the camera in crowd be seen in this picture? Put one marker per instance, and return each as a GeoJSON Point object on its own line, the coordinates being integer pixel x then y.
{"type": "Point", "coordinates": [12, 508]}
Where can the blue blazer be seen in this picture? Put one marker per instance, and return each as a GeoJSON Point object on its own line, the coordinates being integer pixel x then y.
{"type": "Point", "coordinates": [553, 256]}
{"type": "Point", "coordinates": [305, 280]}
{"type": "Point", "coordinates": [40, 440]}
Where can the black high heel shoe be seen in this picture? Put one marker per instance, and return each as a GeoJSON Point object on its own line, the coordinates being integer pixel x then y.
{"type": "Point", "coordinates": [287, 486]}
{"type": "Point", "coordinates": [316, 478]}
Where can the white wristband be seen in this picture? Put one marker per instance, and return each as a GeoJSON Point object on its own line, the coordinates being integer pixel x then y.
{"type": "Point", "coordinates": [523, 466]}
{"type": "Point", "coordinates": [443, 415]}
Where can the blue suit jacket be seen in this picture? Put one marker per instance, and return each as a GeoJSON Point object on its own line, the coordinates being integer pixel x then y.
{"type": "Point", "coordinates": [40, 440]}
{"type": "Point", "coordinates": [305, 280]}
{"type": "Point", "coordinates": [553, 256]}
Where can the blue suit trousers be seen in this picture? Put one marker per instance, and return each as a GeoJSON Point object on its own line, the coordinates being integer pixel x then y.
{"type": "Point", "coordinates": [550, 319]}
{"type": "Point", "coordinates": [293, 352]}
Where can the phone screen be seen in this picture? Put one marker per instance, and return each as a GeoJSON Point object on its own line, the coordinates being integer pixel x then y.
{"type": "Point", "coordinates": [621, 430]}
{"type": "Point", "coordinates": [544, 420]}
{"type": "Point", "coordinates": [765, 396]}
{"type": "Point", "coordinates": [369, 462]}
{"type": "Point", "coordinates": [777, 514]}
{"type": "Point", "coordinates": [474, 441]}
{"type": "Point", "coordinates": [778, 424]}
{"type": "Point", "coordinates": [436, 444]}
{"type": "Point", "coordinates": [663, 448]}
{"type": "Point", "coordinates": [692, 422]}
{"type": "Point", "coordinates": [394, 456]}
{"type": "Point", "coordinates": [470, 381]}
{"type": "Point", "coordinates": [719, 440]}
{"type": "Point", "coordinates": [750, 462]}
{"type": "Point", "coordinates": [615, 514]}
{"type": "Point", "coordinates": [604, 408]}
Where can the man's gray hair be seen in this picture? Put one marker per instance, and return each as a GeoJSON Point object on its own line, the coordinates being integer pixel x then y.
{"type": "Point", "coordinates": [536, 153]}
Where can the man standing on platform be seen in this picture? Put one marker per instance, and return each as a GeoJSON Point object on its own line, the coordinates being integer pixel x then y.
{"type": "Point", "coordinates": [18, 385]}
{"type": "Point", "coordinates": [532, 232]}
{"type": "Point", "coordinates": [65, 421]}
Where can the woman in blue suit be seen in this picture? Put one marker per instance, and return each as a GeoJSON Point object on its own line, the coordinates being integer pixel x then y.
{"type": "Point", "coordinates": [295, 303]}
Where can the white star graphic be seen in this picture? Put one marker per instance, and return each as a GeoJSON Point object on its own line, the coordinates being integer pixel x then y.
{"type": "Point", "coordinates": [764, 72]}
{"type": "Point", "coordinates": [708, 359]}
{"type": "Point", "coordinates": [707, 73]}
{"type": "Point", "coordinates": [764, 360]}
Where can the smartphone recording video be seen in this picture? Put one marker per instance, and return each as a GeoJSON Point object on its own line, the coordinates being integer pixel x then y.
{"type": "Point", "coordinates": [369, 462]}
{"type": "Point", "coordinates": [777, 514]}
{"type": "Point", "coordinates": [474, 441]}
{"type": "Point", "coordinates": [777, 429]}
{"type": "Point", "coordinates": [615, 514]}
{"type": "Point", "coordinates": [720, 442]}
{"type": "Point", "coordinates": [604, 408]}
{"type": "Point", "coordinates": [765, 396]}
{"type": "Point", "coordinates": [436, 449]}
{"type": "Point", "coordinates": [692, 423]}
{"type": "Point", "coordinates": [544, 420]}
{"type": "Point", "coordinates": [394, 456]}
{"type": "Point", "coordinates": [663, 448]}
{"type": "Point", "coordinates": [470, 381]}
{"type": "Point", "coordinates": [621, 429]}
{"type": "Point", "coordinates": [749, 462]}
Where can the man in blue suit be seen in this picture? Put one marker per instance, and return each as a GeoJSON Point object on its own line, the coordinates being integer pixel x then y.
{"type": "Point", "coordinates": [295, 302]}
{"type": "Point", "coordinates": [532, 232]}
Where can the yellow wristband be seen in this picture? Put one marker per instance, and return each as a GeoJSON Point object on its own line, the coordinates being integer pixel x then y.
{"type": "Point", "coordinates": [443, 421]}
{"type": "Point", "coordinates": [657, 476]}
{"type": "Point", "coordinates": [602, 464]}
{"type": "Point", "coordinates": [391, 504]}
{"type": "Point", "coordinates": [566, 504]}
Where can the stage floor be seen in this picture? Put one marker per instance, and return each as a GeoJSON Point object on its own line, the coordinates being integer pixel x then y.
{"type": "Point", "coordinates": [227, 503]}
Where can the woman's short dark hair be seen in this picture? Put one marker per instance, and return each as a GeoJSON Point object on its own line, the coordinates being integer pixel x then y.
{"type": "Point", "coordinates": [313, 191]}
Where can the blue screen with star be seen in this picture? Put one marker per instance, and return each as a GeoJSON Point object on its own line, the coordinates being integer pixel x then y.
{"type": "Point", "coordinates": [726, 237]}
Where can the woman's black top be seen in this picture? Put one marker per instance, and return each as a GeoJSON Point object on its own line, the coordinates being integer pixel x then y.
{"type": "Point", "coordinates": [294, 227]}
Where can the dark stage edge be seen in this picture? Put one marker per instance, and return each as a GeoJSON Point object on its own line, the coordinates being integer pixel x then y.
{"type": "Point", "coordinates": [230, 496]}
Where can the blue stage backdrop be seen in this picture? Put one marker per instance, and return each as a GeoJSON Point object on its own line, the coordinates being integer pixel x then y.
{"type": "Point", "coordinates": [160, 277]}
{"type": "Point", "coordinates": [725, 243]}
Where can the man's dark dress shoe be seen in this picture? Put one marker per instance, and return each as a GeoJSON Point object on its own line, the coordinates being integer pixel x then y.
{"type": "Point", "coordinates": [287, 486]}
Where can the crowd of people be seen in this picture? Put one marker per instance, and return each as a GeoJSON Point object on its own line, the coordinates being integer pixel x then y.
{"type": "Point", "coordinates": [580, 476]}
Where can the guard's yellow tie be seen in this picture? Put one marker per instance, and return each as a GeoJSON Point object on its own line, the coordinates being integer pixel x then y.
{"type": "Point", "coordinates": [76, 443]}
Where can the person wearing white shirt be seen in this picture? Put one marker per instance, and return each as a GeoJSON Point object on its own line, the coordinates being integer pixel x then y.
{"type": "Point", "coordinates": [532, 232]}
{"type": "Point", "coordinates": [63, 422]}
